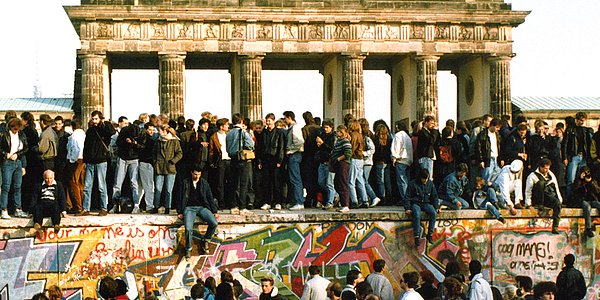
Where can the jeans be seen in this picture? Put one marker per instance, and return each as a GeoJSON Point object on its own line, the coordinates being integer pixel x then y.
{"type": "Point", "coordinates": [161, 181]}
{"type": "Point", "coordinates": [326, 182]}
{"type": "Point", "coordinates": [131, 168]}
{"type": "Point", "coordinates": [587, 210]}
{"type": "Point", "coordinates": [146, 171]}
{"type": "Point", "coordinates": [98, 170]}
{"type": "Point", "coordinates": [491, 170]}
{"type": "Point", "coordinates": [454, 206]}
{"type": "Point", "coordinates": [575, 163]}
{"type": "Point", "coordinates": [357, 181]}
{"type": "Point", "coordinates": [296, 194]}
{"type": "Point", "coordinates": [416, 219]}
{"type": "Point", "coordinates": [366, 175]}
{"type": "Point", "coordinates": [241, 180]}
{"type": "Point", "coordinates": [12, 175]}
{"type": "Point", "coordinates": [189, 215]}
{"type": "Point", "coordinates": [489, 202]}
{"type": "Point", "coordinates": [380, 180]}
{"type": "Point", "coordinates": [427, 163]}
{"type": "Point", "coordinates": [402, 181]}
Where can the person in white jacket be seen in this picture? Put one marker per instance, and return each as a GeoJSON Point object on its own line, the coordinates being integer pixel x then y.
{"type": "Point", "coordinates": [316, 287]}
{"type": "Point", "coordinates": [479, 288]}
{"type": "Point", "coordinates": [542, 188]}
{"type": "Point", "coordinates": [509, 182]}
{"type": "Point", "coordinates": [382, 287]}
{"type": "Point", "coordinates": [75, 159]}
{"type": "Point", "coordinates": [402, 158]}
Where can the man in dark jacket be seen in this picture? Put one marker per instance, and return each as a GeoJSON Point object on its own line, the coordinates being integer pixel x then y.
{"type": "Point", "coordinates": [269, 290]}
{"type": "Point", "coordinates": [271, 152]}
{"type": "Point", "coordinates": [197, 200]}
{"type": "Point", "coordinates": [422, 197]}
{"type": "Point", "coordinates": [48, 200]}
{"type": "Point", "coordinates": [127, 164]}
{"type": "Point", "coordinates": [145, 167]}
{"type": "Point", "coordinates": [95, 155]}
{"type": "Point", "coordinates": [576, 144]}
{"type": "Point", "coordinates": [428, 146]}
{"type": "Point", "coordinates": [570, 281]}
{"type": "Point", "coordinates": [487, 150]}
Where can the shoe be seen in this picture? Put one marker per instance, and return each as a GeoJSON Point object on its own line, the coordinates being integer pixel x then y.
{"type": "Point", "coordinates": [154, 211]}
{"type": "Point", "coordinates": [235, 211]}
{"type": "Point", "coordinates": [417, 241]}
{"type": "Point", "coordinates": [102, 213]}
{"type": "Point", "coordinates": [136, 210]}
{"type": "Point", "coordinates": [277, 206]}
{"type": "Point", "coordinates": [344, 210]}
{"type": "Point", "coordinates": [353, 206]}
{"type": "Point", "coordinates": [38, 229]}
{"type": "Point", "coordinates": [319, 205]}
{"type": "Point", "coordinates": [56, 228]}
{"type": "Point", "coordinates": [265, 207]}
{"type": "Point", "coordinates": [20, 213]}
{"type": "Point", "coordinates": [167, 211]}
{"type": "Point", "coordinates": [82, 213]}
{"type": "Point", "coordinates": [518, 206]}
{"type": "Point", "coordinates": [364, 205]}
{"type": "Point", "coordinates": [502, 220]}
{"type": "Point", "coordinates": [512, 210]}
{"type": "Point", "coordinates": [589, 233]}
{"type": "Point", "coordinates": [375, 202]}
{"type": "Point", "coordinates": [5, 214]}
{"type": "Point", "coordinates": [554, 230]}
{"type": "Point", "coordinates": [113, 209]}
{"type": "Point", "coordinates": [328, 206]}
{"type": "Point", "coordinates": [297, 207]}
{"type": "Point", "coordinates": [188, 253]}
{"type": "Point", "coordinates": [429, 239]}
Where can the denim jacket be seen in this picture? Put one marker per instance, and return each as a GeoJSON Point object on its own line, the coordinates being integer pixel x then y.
{"type": "Point", "coordinates": [421, 193]}
{"type": "Point", "coordinates": [452, 188]}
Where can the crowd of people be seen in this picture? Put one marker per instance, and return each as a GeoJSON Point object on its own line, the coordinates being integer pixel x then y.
{"type": "Point", "coordinates": [275, 164]}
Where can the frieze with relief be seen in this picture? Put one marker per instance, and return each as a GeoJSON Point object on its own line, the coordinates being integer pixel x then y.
{"type": "Point", "coordinates": [315, 32]}
{"type": "Point", "coordinates": [211, 31]}
{"type": "Point", "coordinates": [264, 32]}
{"type": "Point", "coordinates": [238, 31]}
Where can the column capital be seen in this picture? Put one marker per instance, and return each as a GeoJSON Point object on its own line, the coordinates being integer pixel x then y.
{"type": "Point", "coordinates": [251, 56]}
{"type": "Point", "coordinates": [500, 57]}
{"type": "Point", "coordinates": [349, 55]}
{"type": "Point", "coordinates": [172, 55]}
{"type": "Point", "coordinates": [427, 57]}
{"type": "Point", "coordinates": [91, 55]}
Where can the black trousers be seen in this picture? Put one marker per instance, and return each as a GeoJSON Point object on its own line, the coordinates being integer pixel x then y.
{"type": "Point", "coordinates": [241, 178]}
{"type": "Point", "coordinates": [223, 177]}
{"type": "Point", "coordinates": [45, 209]}
{"type": "Point", "coordinates": [272, 179]}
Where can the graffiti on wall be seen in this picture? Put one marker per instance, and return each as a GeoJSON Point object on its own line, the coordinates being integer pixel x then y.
{"type": "Point", "coordinates": [150, 258]}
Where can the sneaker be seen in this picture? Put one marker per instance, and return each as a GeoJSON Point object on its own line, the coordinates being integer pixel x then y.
{"type": "Point", "coordinates": [38, 228]}
{"type": "Point", "coordinates": [344, 210]}
{"type": "Point", "coordinates": [265, 207]}
{"type": "Point", "coordinates": [136, 210]}
{"type": "Point", "coordinates": [102, 213]}
{"type": "Point", "coordinates": [502, 220]}
{"type": "Point", "coordinates": [364, 205]}
{"type": "Point", "coordinates": [375, 202]}
{"type": "Point", "coordinates": [417, 241]}
{"type": "Point", "coordinates": [188, 253]}
{"type": "Point", "coordinates": [5, 214]}
{"type": "Point", "coordinates": [277, 206]}
{"type": "Point", "coordinates": [82, 213]}
{"type": "Point", "coordinates": [113, 209]}
{"type": "Point", "coordinates": [56, 228]}
{"type": "Point", "coordinates": [319, 205]}
{"type": "Point", "coordinates": [20, 213]}
{"type": "Point", "coordinates": [154, 211]}
{"type": "Point", "coordinates": [167, 211]}
{"type": "Point", "coordinates": [589, 233]}
{"type": "Point", "coordinates": [235, 211]}
{"type": "Point", "coordinates": [429, 239]}
{"type": "Point", "coordinates": [297, 207]}
{"type": "Point", "coordinates": [328, 206]}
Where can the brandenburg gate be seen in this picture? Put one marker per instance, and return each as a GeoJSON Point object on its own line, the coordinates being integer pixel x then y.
{"type": "Point", "coordinates": [410, 40]}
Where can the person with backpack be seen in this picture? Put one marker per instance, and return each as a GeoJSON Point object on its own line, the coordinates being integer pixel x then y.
{"type": "Point", "coordinates": [541, 190]}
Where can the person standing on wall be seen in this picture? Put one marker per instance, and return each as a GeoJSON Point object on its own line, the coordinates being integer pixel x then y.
{"type": "Point", "coordinates": [48, 145]}
{"type": "Point", "coordinates": [13, 146]}
{"type": "Point", "coordinates": [428, 145]}
{"type": "Point", "coordinates": [294, 149]}
{"type": "Point", "coordinates": [238, 140]}
{"type": "Point", "coordinates": [76, 177]}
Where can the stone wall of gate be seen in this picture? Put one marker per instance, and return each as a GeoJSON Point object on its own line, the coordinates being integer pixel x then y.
{"type": "Point", "coordinates": [146, 251]}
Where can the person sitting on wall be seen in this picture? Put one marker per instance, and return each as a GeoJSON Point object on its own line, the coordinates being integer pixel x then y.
{"type": "Point", "coordinates": [484, 197]}
{"type": "Point", "coordinates": [453, 187]}
{"type": "Point", "coordinates": [509, 184]}
{"type": "Point", "coordinates": [48, 200]}
{"type": "Point", "coordinates": [197, 200]}
{"type": "Point", "coordinates": [542, 190]}
{"type": "Point", "coordinates": [586, 192]}
{"type": "Point", "coordinates": [422, 196]}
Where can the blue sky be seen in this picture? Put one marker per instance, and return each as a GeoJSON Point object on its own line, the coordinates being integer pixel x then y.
{"type": "Point", "coordinates": [556, 51]}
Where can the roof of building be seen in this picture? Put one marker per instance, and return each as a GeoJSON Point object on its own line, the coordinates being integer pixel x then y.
{"type": "Point", "coordinates": [556, 103]}
{"type": "Point", "coordinates": [37, 104]}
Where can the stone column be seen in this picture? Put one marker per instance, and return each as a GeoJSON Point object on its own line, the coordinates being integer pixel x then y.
{"type": "Point", "coordinates": [92, 84]}
{"type": "Point", "coordinates": [427, 88]}
{"type": "Point", "coordinates": [500, 101]}
{"type": "Point", "coordinates": [251, 86]}
{"type": "Point", "coordinates": [172, 84]}
{"type": "Point", "coordinates": [353, 91]}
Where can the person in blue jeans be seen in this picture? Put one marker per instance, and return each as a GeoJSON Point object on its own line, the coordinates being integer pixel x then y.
{"type": "Point", "coordinates": [484, 197]}
{"type": "Point", "coordinates": [422, 196]}
{"type": "Point", "coordinates": [197, 200]}
{"type": "Point", "coordinates": [13, 146]}
{"type": "Point", "coordinates": [453, 187]}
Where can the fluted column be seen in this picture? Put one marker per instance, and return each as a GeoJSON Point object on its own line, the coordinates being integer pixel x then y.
{"type": "Point", "coordinates": [353, 91]}
{"type": "Point", "coordinates": [92, 84]}
{"type": "Point", "coordinates": [251, 86]}
{"type": "Point", "coordinates": [172, 84]}
{"type": "Point", "coordinates": [427, 88]}
{"type": "Point", "coordinates": [500, 101]}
